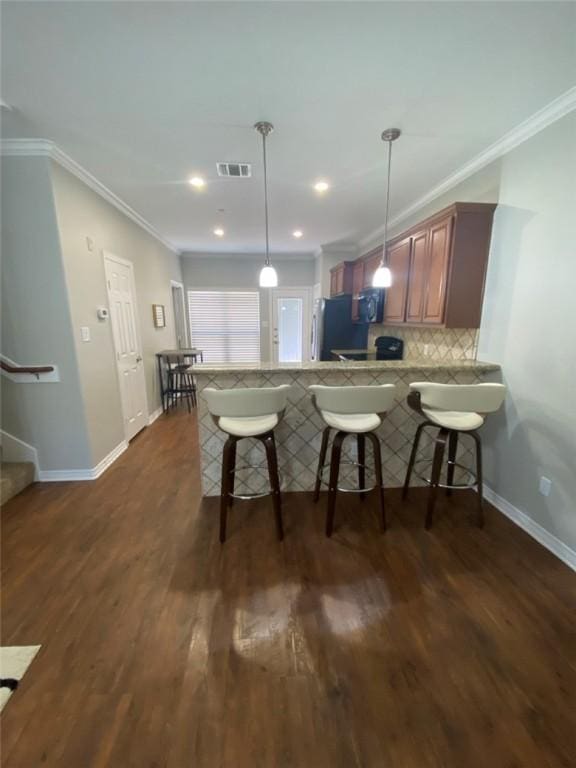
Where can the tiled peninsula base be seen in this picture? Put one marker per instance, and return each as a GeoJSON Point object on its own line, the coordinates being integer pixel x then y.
{"type": "Point", "coordinates": [298, 436]}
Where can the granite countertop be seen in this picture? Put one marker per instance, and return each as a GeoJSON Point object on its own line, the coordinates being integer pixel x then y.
{"type": "Point", "coordinates": [417, 364]}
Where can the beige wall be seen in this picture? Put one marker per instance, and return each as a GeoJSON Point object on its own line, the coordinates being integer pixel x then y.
{"type": "Point", "coordinates": [52, 284]}
{"type": "Point", "coordinates": [82, 213]}
{"type": "Point", "coordinates": [239, 271]}
{"type": "Point", "coordinates": [481, 187]}
{"type": "Point", "coordinates": [529, 326]}
{"type": "Point", "coordinates": [528, 323]}
{"type": "Point", "coordinates": [36, 327]}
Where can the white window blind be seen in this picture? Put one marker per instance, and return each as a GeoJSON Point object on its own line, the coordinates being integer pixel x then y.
{"type": "Point", "coordinates": [225, 325]}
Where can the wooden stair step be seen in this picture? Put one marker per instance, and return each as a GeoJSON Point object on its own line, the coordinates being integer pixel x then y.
{"type": "Point", "coordinates": [15, 476]}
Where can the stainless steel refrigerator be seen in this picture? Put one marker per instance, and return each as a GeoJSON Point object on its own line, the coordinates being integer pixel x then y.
{"type": "Point", "coordinates": [332, 328]}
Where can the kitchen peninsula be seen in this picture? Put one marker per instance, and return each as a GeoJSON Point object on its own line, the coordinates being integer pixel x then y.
{"type": "Point", "coordinates": [299, 434]}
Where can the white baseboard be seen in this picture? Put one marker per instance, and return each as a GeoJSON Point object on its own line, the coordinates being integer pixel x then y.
{"type": "Point", "coordinates": [154, 415]}
{"type": "Point", "coordinates": [532, 528]}
{"type": "Point", "coordinates": [59, 475]}
{"type": "Point", "coordinates": [14, 449]}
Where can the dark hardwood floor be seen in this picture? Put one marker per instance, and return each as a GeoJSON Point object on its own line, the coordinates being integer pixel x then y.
{"type": "Point", "coordinates": [454, 648]}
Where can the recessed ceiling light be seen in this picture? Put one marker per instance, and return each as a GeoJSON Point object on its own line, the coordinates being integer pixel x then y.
{"type": "Point", "coordinates": [197, 181]}
{"type": "Point", "coordinates": [218, 231]}
{"type": "Point", "coordinates": [321, 186]}
{"type": "Point", "coordinates": [297, 233]}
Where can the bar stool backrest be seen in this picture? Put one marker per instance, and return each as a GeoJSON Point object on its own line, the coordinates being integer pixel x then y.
{"type": "Point", "coordinates": [247, 402]}
{"type": "Point", "coordinates": [477, 398]}
{"type": "Point", "coordinates": [354, 400]}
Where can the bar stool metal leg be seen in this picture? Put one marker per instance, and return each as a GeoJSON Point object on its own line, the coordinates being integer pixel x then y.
{"type": "Point", "coordinates": [361, 463]}
{"type": "Point", "coordinates": [270, 445]}
{"type": "Point", "coordinates": [479, 480]}
{"type": "Point", "coordinates": [161, 379]}
{"type": "Point", "coordinates": [333, 484]}
{"type": "Point", "coordinates": [439, 447]}
{"type": "Point", "coordinates": [229, 447]}
{"type": "Point", "coordinates": [321, 460]}
{"type": "Point", "coordinates": [378, 472]}
{"type": "Point", "coordinates": [412, 459]}
{"type": "Point", "coordinates": [452, 448]}
{"type": "Point", "coordinates": [232, 472]}
{"type": "Point", "coordinates": [187, 392]}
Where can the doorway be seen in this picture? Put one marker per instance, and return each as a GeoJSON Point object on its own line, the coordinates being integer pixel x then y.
{"type": "Point", "coordinates": [291, 324]}
{"type": "Point", "coordinates": [179, 309]}
{"type": "Point", "coordinates": [127, 344]}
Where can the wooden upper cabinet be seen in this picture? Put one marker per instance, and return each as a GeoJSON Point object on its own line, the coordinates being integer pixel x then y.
{"type": "Point", "coordinates": [418, 277]}
{"type": "Point", "coordinates": [371, 264]}
{"type": "Point", "coordinates": [357, 285]}
{"type": "Point", "coordinates": [398, 260]}
{"type": "Point", "coordinates": [341, 278]}
{"type": "Point", "coordinates": [333, 282]}
{"type": "Point", "coordinates": [437, 274]}
{"type": "Point", "coordinates": [447, 256]}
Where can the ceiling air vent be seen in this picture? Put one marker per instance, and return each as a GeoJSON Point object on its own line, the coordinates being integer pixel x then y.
{"type": "Point", "coordinates": [234, 170]}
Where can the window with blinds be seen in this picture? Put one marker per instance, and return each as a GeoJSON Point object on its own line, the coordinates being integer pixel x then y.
{"type": "Point", "coordinates": [225, 325]}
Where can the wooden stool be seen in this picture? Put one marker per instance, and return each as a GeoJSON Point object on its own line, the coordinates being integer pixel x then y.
{"type": "Point", "coordinates": [455, 409]}
{"type": "Point", "coordinates": [351, 411]}
{"type": "Point", "coordinates": [244, 413]}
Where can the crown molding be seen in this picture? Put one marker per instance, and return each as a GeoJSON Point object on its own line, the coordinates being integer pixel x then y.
{"type": "Point", "coordinates": [46, 148]}
{"type": "Point", "coordinates": [343, 249]}
{"type": "Point", "coordinates": [549, 114]}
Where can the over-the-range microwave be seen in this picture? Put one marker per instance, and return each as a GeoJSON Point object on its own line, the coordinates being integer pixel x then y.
{"type": "Point", "coordinates": [371, 305]}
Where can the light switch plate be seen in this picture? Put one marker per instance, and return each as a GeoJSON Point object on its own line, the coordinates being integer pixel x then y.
{"type": "Point", "coordinates": [85, 333]}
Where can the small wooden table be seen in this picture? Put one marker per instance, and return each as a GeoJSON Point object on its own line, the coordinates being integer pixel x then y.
{"type": "Point", "coordinates": [192, 352]}
{"type": "Point", "coordinates": [169, 357]}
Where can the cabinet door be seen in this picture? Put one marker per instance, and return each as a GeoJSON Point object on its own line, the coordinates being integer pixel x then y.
{"type": "Point", "coordinates": [418, 276]}
{"type": "Point", "coordinates": [339, 281]}
{"type": "Point", "coordinates": [357, 285]}
{"type": "Point", "coordinates": [370, 266]}
{"type": "Point", "coordinates": [332, 282]}
{"type": "Point", "coordinates": [398, 261]}
{"type": "Point", "coordinates": [438, 263]}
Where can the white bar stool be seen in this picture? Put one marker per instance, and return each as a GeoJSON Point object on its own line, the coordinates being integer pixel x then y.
{"type": "Point", "coordinates": [243, 413]}
{"type": "Point", "coordinates": [455, 409]}
{"type": "Point", "coordinates": [351, 411]}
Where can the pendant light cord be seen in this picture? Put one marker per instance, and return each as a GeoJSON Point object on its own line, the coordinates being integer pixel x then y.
{"type": "Point", "coordinates": [267, 260]}
{"type": "Point", "coordinates": [387, 203]}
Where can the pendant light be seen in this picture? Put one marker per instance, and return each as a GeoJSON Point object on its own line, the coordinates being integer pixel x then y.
{"type": "Point", "coordinates": [383, 277]}
{"type": "Point", "coordinates": [268, 275]}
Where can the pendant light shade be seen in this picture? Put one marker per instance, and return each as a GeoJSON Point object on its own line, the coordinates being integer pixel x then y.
{"type": "Point", "coordinates": [382, 277]}
{"type": "Point", "coordinates": [268, 275]}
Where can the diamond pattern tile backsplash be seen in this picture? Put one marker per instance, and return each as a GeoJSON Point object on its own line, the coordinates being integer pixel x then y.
{"type": "Point", "coordinates": [299, 434]}
{"type": "Point", "coordinates": [436, 343]}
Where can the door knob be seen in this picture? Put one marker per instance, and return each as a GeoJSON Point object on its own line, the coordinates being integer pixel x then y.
{"type": "Point", "coordinates": [138, 359]}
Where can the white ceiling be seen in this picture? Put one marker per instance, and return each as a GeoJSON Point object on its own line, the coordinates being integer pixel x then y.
{"type": "Point", "coordinates": [145, 94]}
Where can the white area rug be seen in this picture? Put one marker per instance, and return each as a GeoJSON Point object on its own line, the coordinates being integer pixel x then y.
{"type": "Point", "coordinates": [14, 661]}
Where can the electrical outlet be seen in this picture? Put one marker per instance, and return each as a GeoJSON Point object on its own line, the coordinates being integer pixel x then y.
{"type": "Point", "coordinates": [545, 486]}
{"type": "Point", "coordinates": [89, 244]}
{"type": "Point", "coordinates": [85, 333]}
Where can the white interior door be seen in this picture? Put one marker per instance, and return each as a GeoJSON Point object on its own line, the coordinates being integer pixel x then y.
{"type": "Point", "coordinates": [290, 327]}
{"type": "Point", "coordinates": [122, 301]}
